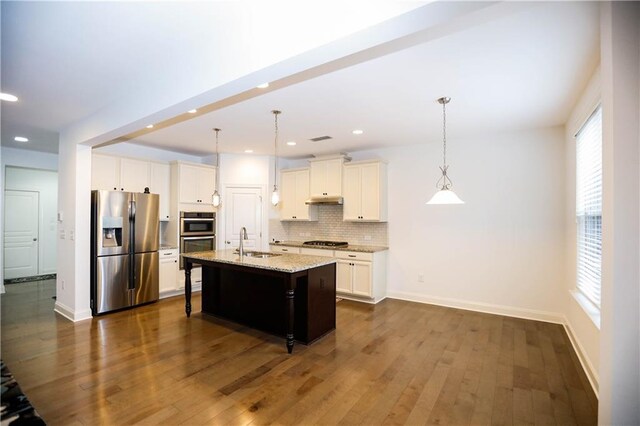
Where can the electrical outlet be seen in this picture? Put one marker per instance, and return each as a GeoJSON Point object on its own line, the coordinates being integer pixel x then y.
{"type": "Point", "coordinates": [72, 235]}
{"type": "Point", "coordinates": [420, 278]}
{"type": "Point", "coordinates": [62, 284]}
{"type": "Point", "coordinates": [62, 234]}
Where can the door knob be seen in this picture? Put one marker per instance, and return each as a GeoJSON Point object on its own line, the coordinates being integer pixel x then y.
{"type": "Point", "coordinates": [228, 242]}
{"type": "Point", "coordinates": [35, 239]}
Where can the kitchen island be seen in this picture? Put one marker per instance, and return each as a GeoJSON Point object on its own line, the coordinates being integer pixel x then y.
{"type": "Point", "coordinates": [288, 295]}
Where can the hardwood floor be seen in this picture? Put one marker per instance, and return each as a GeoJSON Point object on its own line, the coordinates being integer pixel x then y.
{"type": "Point", "coordinates": [393, 363]}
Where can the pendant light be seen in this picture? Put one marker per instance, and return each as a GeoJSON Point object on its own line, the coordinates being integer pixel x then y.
{"type": "Point", "coordinates": [444, 195]}
{"type": "Point", "coordinates": [215, 198]}
{"type": "Point", "coordinates": [275, 195]}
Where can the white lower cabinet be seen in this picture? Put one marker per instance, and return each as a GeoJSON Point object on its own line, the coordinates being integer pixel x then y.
{"type": "Point", "coordinates": [362, 276]}
{"type": "Point", "coordinates": [359, 275]}
{"type": "Point", "coordinates": [168, 270]}
{"type": "Point", "coordinates": [354, 277]}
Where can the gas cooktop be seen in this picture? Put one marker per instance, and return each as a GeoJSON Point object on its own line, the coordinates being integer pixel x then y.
{"type": "Point", "coordinates": [326, 243]}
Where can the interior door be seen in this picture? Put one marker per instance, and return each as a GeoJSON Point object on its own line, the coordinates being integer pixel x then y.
{"type": "Point", "coordinates": [20, 233]}
{"type": "Point", "coordinates": [243, 208]}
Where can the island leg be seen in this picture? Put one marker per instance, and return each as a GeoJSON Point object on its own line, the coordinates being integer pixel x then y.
{"type": "Point", "coordinates": [187, 287]}
{"type": "Point", "coordinates": [289, 295]}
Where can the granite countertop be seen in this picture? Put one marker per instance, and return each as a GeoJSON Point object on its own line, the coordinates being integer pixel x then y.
{"type": "Point", "coordinates": [284, 263]}
{"type": "Point", "coordinates": [358, 248]}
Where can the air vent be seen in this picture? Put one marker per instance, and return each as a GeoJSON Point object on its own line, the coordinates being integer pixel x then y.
{"type": "Point", "coordinates": [320, 138]}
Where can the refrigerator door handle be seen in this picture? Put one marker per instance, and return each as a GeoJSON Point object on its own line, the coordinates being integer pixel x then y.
{"type": "Point", "coordinates": [132, 227]}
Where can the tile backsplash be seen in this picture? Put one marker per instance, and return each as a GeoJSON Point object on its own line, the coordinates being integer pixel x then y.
{"type": "Point", "coordinates": [330, 226]}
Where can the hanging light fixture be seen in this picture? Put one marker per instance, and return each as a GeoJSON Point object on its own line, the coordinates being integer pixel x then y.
{"type": "Point", "coordinates": [215, 198]}
{"type": "Point", "coordinates": [275, 195]}
{"type": "Point", "coordinates": [444, 195]}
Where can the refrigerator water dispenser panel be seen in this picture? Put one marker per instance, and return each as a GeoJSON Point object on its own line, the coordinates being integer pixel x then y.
{"type": "Point", "coordinates": [111, 231]}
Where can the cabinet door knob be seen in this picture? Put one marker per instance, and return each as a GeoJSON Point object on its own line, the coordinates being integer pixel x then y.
{"type": "Point", "coordinates": [175, 261]}
{"type": "Point", "coordinates": [114, 188]}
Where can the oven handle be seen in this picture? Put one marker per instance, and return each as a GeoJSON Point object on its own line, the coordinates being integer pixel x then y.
{"type": "Point", "coordinates": [198, 238]}
{"type": "Point", "coordinates": [194, 219]}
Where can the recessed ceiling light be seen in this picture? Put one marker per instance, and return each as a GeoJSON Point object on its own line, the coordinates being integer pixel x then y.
{"type": "Point", "coordinates": [150, 126]}
{"type": "Point", "coordinates": [262, 86]}
{"type": "Point", "coordinates": [291, 143]}
{"type": "Point", "coordinates": [192, 111]}
{"type": "Point", "coordinates": [248, 151]}
{"type": "Point", "coordinates": [357, 132]}
{"type": "Point", "coordinates": [8, 97]}
{"type": "Point", "coordinates": [21, 139]}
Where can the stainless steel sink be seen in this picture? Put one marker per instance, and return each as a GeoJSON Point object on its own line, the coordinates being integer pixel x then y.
{"type": "Point", "coordinates": [260, 254]}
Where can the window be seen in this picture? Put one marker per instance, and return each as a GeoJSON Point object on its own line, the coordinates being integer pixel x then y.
{"type": "Point", "coordinates": [589, 206]}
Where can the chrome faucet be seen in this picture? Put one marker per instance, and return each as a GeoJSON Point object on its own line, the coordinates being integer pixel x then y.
{"type": "Point", "coordinates": [243, 236]}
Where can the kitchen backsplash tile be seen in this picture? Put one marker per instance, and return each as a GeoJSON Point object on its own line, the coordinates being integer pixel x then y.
{"type": "Point", "coordinates": [330, 226]}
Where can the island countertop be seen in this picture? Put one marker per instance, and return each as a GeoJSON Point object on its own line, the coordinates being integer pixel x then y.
{"type": "Point", "coordinates": [283, 262]}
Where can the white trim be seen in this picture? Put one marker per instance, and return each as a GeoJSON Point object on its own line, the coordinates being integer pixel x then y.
{"type": "Point", "coordinates": [585, 362]}
{"type": "Point", "coordinates": [70, 314]}
{"type": "Point", "coordinates": [488, 308]}
{"type": "Point", "coordinates": [2, 290]}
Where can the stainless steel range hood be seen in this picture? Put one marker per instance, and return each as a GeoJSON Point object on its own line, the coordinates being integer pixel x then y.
{"type": "Point", "coordinates": [325, 200]}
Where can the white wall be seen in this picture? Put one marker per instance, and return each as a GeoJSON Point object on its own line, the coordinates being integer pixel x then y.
{"type": "Point", "coordinates": [28, 158]}
{"type": "Point", "coordinates": [44, 182]}
{"type": "Point", "coordinates": [620, 308]}
{"type": "Point", "coordinates": [20, 158]}
{"type": "Point", "coordinates": [583, 321]}
{"type": "Point", "coordinates": [502, 251]}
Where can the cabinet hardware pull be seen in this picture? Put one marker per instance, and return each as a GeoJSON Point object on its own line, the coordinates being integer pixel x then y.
{"type": "Point", "coordinates": [352, 255]}
{"type": "Point", "coordinates": [285, 249]}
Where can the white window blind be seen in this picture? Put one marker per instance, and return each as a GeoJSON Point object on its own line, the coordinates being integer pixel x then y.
{"type": "Point", "coordinates": [589, 206]}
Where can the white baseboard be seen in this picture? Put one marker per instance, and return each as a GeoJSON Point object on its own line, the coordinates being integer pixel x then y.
{"type": "Point", "coordinates": [70, 314]}
{"type": "Point", "coordinates": [488, 308]}
{"type": "Point", "coordinates": [587, 366]}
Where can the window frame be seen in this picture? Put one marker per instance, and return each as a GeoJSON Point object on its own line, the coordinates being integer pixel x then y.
{"type": "Point", "coordinates": [582, 217]}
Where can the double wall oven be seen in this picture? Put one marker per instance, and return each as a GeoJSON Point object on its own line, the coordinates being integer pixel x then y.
{"type": "Point", "coordinates": [197, 232]}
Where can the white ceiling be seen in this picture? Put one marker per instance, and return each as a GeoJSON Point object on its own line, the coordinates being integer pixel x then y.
{"type": "Point", "coordinates": [522, 71]}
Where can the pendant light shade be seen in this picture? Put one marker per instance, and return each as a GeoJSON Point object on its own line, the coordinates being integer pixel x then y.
{"type": "Point", "coordinates": [215, 198]}
{"type": "Point", "coordinates": [275, 195]}
{"type": "Point", "coordinates": [445, 194]}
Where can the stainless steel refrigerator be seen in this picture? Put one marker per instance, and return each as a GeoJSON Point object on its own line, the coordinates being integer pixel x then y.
{"type": "Point", "coordinates": [124, 250]}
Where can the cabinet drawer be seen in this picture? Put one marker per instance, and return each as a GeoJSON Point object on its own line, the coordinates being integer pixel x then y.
{"type": "Point", "coordinates": [168, 253]}
{"type": "Point", "coordinates": [281, 249]}
{"type": "Point", "coordinates": [316, 252]}
{"type": "Point", "coordinates": [354, 255]}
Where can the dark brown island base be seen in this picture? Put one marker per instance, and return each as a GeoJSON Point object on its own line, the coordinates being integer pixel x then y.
{"type": "Point", "coordinates": [288, 295]}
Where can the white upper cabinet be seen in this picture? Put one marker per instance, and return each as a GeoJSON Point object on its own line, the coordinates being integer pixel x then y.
{"type": "Point", "coordinates": [134, 175]}
{"type": "Point", "coordinates": [160, 183]}
{"type": "Point", "coordinates": [365, 191]}
{"type": "Point", "coordinates": [126, 174]}
{"type": "Point", "coordinates": [326, 177]}
{"type": "Point", "coordinates": [294, 190]}
{"type": "Point", "coordinates": [105, 172]}
{"type": "Point", "coordinates": [196, 183]}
